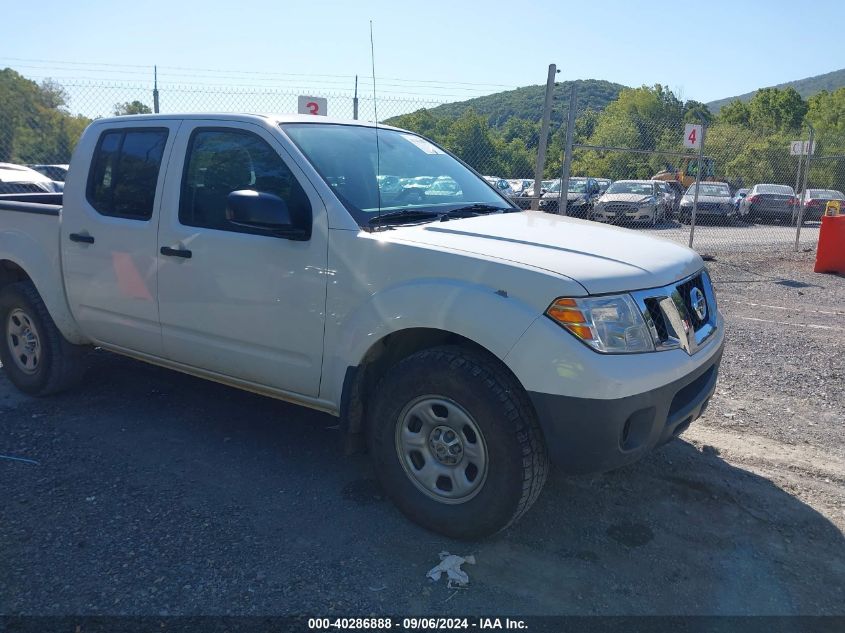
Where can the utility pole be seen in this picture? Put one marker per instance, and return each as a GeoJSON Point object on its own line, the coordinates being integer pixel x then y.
{"type": "Point", "coordinates": [544, 137]}
{"type": "Point", "coordinates": [563, 201]}
{"type": "Point", "coordinates": [803, 199]}
{"type": "Point", "coordinates": [355, 100]}
{"type": "Point", "coordinates": [155, 89]}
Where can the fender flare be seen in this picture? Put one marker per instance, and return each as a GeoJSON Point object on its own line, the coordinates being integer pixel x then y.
{"type": "Point", "coordinates": [44, 269]}
{"type": "Point", "coordinates": [450, 306]}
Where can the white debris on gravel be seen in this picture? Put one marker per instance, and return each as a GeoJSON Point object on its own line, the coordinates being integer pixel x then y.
{"type": "Point", "coordinates": [451, 564]}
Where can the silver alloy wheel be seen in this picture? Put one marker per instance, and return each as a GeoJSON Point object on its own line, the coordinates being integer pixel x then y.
{"type": "Point", "coordinates": [23, 340]}
{"type": "Point", "coordinates": [441, 449]}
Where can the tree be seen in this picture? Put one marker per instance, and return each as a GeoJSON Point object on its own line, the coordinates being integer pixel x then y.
{"type": "Point", "coordinates": [826, 112]}
{"type": "Point", "coordinates": [470, 138]}
{"type": "Point", "coordinates": [776, 110]}
{"type": "Point", "coordinates": [131, 107]}
{"type": "Point", "coordinates": [35, 126]}
{"type": "Point", "coordinates": [696, 112]}
{"type": "Point", "coordinates": [735, 113]}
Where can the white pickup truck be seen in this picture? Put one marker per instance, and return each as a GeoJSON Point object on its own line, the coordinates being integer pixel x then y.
{"type": "Point", "coordinates": [464, 343]}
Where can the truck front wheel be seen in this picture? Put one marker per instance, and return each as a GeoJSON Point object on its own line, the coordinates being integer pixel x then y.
{"type": "Point", "coordinates": [36, 357]}
{"type": "Point", "coordinates": [456, 443]}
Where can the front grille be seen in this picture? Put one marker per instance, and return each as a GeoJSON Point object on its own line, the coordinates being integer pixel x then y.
{"type": "Point", "coordinates": [709, 206]}
{"type": "Point", "coordinates": [670, 315]}
{"type": "Point", "coordinates": [653, 307]}
{"type": "Point", "coordinates": [620, 208]}
{"type": "Point", "coordinates": [684, 289]}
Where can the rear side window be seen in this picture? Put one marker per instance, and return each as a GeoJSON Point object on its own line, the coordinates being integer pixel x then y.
{"type": "Point", "coordinates": [124, 172]}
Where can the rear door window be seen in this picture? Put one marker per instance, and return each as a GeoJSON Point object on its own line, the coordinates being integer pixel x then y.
{"type": "Point", "coordinates": [124, 172]}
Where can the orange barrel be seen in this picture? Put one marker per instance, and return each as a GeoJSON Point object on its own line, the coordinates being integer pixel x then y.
{"type": "Point", "coordinates": [830, 256]}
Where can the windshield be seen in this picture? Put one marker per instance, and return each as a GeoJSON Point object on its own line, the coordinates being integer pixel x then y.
{"type": "Point", "coordinates": [825, 194]}
{"type": "Point", "coordinates": [406, 173]}
{"type": "Point", "coordinates": [577, 186]}
{"type": "Point", "coordinates": [641, 188]}
{"type": "Point", "coordinates": [707, 189]}
{"type": "Point", "coordinates": [783, 190]}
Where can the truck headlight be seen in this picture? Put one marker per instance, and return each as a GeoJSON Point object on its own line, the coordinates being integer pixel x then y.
{"type": "Point", "coordinates": [646, 204]}
{"type": "Point", "coordinates": [610, 324]}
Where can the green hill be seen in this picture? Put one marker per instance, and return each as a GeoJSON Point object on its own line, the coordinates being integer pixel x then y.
{"type": "Point", "coordinates": [805, 87]}
{"type": "Point", "coordinates": [527, 102]}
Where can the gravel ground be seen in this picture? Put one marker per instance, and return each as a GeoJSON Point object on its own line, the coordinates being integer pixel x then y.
{"type": "Point", "coordinates": [735, 237]}
{"type": "Point", "coordinates": [156, 493]}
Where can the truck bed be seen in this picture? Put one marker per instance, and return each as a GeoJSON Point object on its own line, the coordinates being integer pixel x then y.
{"type": "Point", "coordinates": [38, 203]}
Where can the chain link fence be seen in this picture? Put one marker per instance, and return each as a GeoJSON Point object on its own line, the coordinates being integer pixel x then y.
{"type": "Point", "coordinates": [627, 164]}
{"type": "Point", "coordinates": [754, 191]}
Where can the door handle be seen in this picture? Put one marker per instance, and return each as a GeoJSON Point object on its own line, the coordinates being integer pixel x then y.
{"type": "Point", "coordinates": [80, 237]}
{"type": "Point", "coordinates": [176, 252]}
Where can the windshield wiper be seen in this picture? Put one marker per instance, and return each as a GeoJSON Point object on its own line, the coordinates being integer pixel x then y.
{"type": "Point", "coordinates": [403, 215]}
{"type": "Point", "coordinates": [413, 215]}
{"type": "Point", "coordinates": [471, 210]}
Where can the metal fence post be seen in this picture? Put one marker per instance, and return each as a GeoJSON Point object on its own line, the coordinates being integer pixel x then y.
{"type": "Point", "coordinates": [355, 100]}
{"type": "Point", "coordinates": [544, 137]}
{"type": "Point", "coordinates": [563, 199]}
{"type": "Point", "coordinates": [798, 174]}
{"type": "Point", "coordinates": [697, 181]}
{"type": "Point", "coordinates": [155, 89]}
{"type": "Point", "coordinates": [800, 219]}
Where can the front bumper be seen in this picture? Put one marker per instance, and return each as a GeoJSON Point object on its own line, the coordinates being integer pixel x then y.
{"type": "Point", "coordinates": [637, 215]}
{"type": "Point", "coordinates": [716, 212]}
{"type": "Point", "coordinates": [588, 435]}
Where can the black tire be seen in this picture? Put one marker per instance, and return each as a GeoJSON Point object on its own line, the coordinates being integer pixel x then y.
{"type": "Point", "coordinates": [517, 463]}
{"type": "Point", "coordinates": [59, 364]}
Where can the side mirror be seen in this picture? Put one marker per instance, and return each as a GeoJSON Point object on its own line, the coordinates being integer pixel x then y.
{"type": "Point", "coordinates": [263, 212]}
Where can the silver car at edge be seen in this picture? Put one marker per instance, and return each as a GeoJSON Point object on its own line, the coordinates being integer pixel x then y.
{"type": "Point", "coordinates": [631, 201]}
{"type": "Point", "coordinates": [714, 201]}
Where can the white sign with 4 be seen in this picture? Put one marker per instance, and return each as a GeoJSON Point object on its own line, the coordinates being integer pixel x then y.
{"type": "Point", "coordinates": [692, 135]}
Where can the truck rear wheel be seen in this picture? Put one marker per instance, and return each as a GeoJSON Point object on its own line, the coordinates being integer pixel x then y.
{"type": "Point", "coordinates": [455, 442]}
{"type": "Point", "coordinates": [36, 357]}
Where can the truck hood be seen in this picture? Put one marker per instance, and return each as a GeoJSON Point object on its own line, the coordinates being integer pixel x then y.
{"type": "Point", "coordinates": [601, 258]}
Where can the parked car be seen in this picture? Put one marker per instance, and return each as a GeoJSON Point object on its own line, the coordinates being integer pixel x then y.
{"type": "Point", "coordinates": [738, 197]}
{"type": "Point", "coordinates": [678, 189]}
{"type": "Point", "coordinates": [20, 179]}
{"type": "Point", "coordinates": [501, 185]}
{"type": "Point", "coordinates": [56, 173]}
{"type": "Point", "coordinates": [769, 202]}
{"type": "Point", "coordinates": [412, 189]}
{"type": "Point", "coordinates": [631, 201]}
{"type": "Point", "coordinates": [815, 202]}
{"type": "Point", "coordinates": [444, 186]}
{"type": "Point", "coordinates": [389, 184]}
{"type": "Point", "coordinates": [524, 196]}
{"type": "Point", "coordinates": [604, 183]}
{"type": "Point", "coordinates": [579, 200]}
{"type": "Point", "coordinates": [464, 346]}
{"type": "Point", "coordinates": [668, 198]}
{"type": "Point", "coordinates": [521, 186]}
{"type": "Point", "coordinates": [714, 201]}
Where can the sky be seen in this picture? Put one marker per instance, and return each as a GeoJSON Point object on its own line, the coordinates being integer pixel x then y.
{"type": "Point", "coordinates": [437, 50]}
